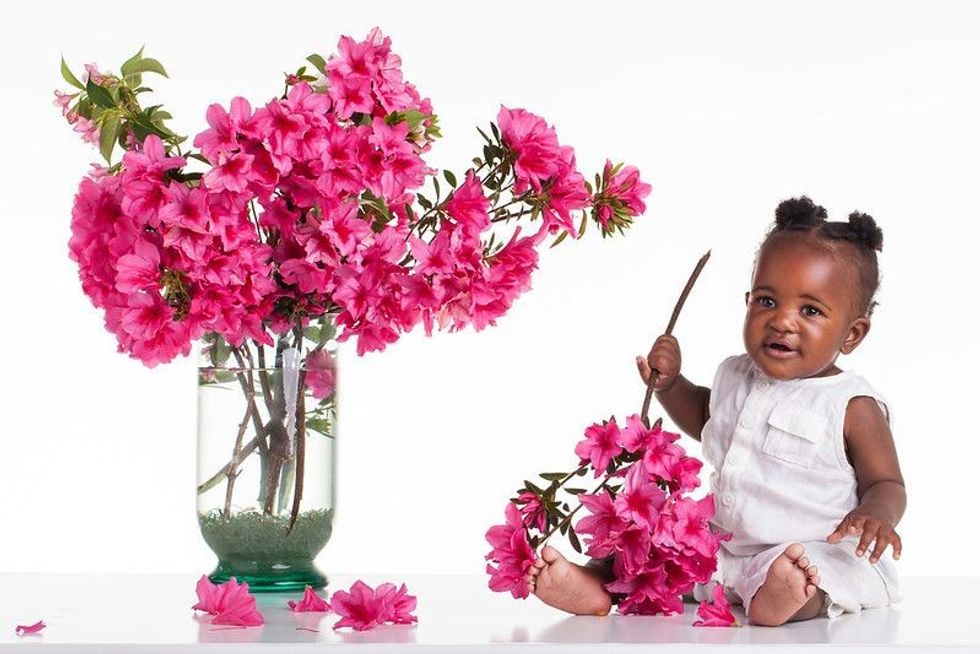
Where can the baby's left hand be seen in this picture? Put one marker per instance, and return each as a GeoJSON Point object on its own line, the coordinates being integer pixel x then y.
{"type": "Point", "coordinates": [872, 529]}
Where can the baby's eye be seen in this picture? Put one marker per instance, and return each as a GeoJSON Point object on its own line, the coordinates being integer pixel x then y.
{"type": "Point", "coordinates": [811, 311]}
{"type": "Point", "coordinates": [765, 301]}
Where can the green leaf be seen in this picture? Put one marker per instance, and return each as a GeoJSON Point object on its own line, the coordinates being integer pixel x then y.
{"type": "Point", "coordinates": [224, 376]}
{"type": "Point", "coordinates": [108, 133]}
{"type": "Point", "coordinates": [318, 61]}
{"type": "Point", "coordinates": [573, 539]}
{"type": "Point", "coordinates": [127, 67]}
{"type": "Point", "coordinates": [69, 77]}
{"type": "Point", "coordinates": [553, 476]}
{"type": "Point", "coordinates": [449, 177]}
{"type": "Point", "coordinates": [484, 135]}
{"type": "Point", "coordinates": [321, 425]}
{"type": "Point", "coordinates": [574, 491]}
{"type": "Point", "coordinates": [99, 95]}
{"type": "Point", "coordinates": [147, 66]}
{"type": "Point", "coordinates": [424, 202]}
{"type": "Point", "coordinates": [496, 132]}
{"type": "Point", "coordinates": [561, 237]}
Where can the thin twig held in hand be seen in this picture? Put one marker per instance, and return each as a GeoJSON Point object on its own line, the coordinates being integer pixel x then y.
{"type": "Point", "coordinates": [655, 374]}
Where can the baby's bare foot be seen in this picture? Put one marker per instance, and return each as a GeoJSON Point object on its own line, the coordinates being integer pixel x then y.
{"type": "Point", "coordinates": [564, 585]}
{"type": "Point", "coordinates": [789, 591]}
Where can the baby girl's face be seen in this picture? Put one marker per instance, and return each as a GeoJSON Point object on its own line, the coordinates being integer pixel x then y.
{"type": "Point", "coordinates": [800, 312]}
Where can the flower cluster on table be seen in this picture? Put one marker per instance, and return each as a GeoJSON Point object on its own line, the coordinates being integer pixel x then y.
{"type": "Point", "coordinates": [656, 538]}
{"type": "Point", "coordinates": [361, 608]}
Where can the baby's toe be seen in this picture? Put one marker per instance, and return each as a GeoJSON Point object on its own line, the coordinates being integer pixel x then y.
{"type": "Point", "coordinates": [803, 563]}
{"type": "Point", "coordinates": [812, 572]}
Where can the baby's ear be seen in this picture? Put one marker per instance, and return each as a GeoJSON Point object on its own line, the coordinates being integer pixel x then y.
{"type": "Point", "coordinates": [855, 334]}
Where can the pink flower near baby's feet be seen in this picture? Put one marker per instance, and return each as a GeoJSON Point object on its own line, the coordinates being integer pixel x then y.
{"type": "Point", "coordinates": [601, 445]}
{"type": "Point", "coordinates": [512, 553]}
{"type": "Point", "coordinates": [717, 612]}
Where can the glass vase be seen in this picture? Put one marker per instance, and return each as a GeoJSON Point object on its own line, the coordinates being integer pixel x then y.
{"type": "Point", "coordinates": [266, 459]}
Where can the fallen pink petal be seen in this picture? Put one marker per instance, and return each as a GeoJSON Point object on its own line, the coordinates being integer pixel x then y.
{"type": "Point", "coordinates": [230, 603]}
{"type": "Point", "coordinates": [717, 613]}
{"type": "Point", "coordinates": [365, 608]}
{"type": "Point", "coordinates": [311, 603]}
{"type": "Point", "coordinates": [31, 629]}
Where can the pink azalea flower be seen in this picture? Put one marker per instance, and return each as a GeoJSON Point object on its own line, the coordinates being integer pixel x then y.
{"type": "Point", "coordinates": [626, 186]}
{"type": "Point", "coordinates": [321, 374]}
{"type": "Point", "coordinates": [534, 143]}
{"type": "Point", "coordinates": [221, 140]}
{"type": "Point", "coordinates": [600, 446]}
{"type": "Point", "coordinates": [533, 512]}
{"type": "Point", "coordinates": [717, 612]}
{"type": "Point", "coordinates": [22, 630]}
{"type": "Point", "coordinates": [399, 604]}
{"type": "Point", "coordinates": [513, 554]}
{"type": "Point", "coordinates": [566, 193]}
{"type": "Point", "coordinates": [230, 603]}
{"type": "Point", "coordinates": [691, 531]}
{"type": "Point", "coordinates": [683, 474]}
{"type": "Point", "coordinates": [311, 602]}
{"type": "Point", "coordinates": [361, 608]}
{"type": "Point", "coordinates": [232, 175]}
{"type": "Point", "coordinates": [139, 271]}
{"type": "Point", "coordinates": [640, 499]}
{"type": "Point", "coordinates": [602, 525]}
{"type": "Point", "coordinates": [468, 205]}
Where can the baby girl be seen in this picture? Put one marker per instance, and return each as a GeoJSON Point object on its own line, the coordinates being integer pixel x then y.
{"type": "Point", "coordinates": [805, 473]}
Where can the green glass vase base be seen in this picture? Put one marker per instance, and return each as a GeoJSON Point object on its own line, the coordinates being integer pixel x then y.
{"type": "Point", "coordinates": [270, 577]}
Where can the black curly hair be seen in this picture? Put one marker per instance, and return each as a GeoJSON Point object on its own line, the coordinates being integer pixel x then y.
{"type": "Point", "coordinates": [858, 240]}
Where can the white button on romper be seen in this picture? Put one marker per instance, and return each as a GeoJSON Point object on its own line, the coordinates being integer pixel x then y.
{"type": "Point", "coordinates": [781, 476]}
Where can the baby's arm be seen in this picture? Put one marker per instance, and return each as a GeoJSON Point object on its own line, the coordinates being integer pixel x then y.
{"type": "Point", "coordinates": [685, 402]}
{"type": "Point", "coordinates": [881, 489]}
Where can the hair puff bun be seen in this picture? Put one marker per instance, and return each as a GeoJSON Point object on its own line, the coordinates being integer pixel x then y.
{"type": "Point", "coordinates": [865, 230]}
{"type": "Point", "coordinates": [799, 213]}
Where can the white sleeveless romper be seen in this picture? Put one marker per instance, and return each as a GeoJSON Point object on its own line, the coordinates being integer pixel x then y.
{"type": "Point", "coordinates": [781, 476]}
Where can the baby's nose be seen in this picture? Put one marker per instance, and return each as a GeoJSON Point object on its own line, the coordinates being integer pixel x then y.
{"type": "Point", "coordinates": [784, 321]}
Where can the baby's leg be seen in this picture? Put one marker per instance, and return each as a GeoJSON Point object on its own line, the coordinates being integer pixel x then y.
{"type": "Point", "coordinates": [789, 592]}
{"type": "Point", "coordinates": [564, 585]}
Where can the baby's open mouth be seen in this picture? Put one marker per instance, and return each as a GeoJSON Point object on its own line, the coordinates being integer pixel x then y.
{"type": "Point", "coordinates": [778, 347]}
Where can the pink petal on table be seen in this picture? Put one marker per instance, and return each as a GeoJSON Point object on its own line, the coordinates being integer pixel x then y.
{"type": "Point", "coordinates": [207, 596]}
{"type": "Point", "coordinates": [311, 602]}
{"type": "Point", "coordinates": [230, 603]}
{"type": "Point", "coordinates": [361, 608]}
{"type": "Point", "coordinates": [32, 629]}
{"type": "Point", "coordinates": [717, 613]}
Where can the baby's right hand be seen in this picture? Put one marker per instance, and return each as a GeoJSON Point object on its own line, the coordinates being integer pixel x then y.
{"type": "Point", "coordinates": [664, 357]}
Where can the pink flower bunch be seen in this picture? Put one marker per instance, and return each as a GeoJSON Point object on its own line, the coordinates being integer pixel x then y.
{"type": "Point", "coordinates": [230, 603]}
{"type": "Point", "coordinates": [309, 207]}
{"type": "Point", "coordinates": [640, 516]}
{"type": "Point", "coordinates": [364, 608]}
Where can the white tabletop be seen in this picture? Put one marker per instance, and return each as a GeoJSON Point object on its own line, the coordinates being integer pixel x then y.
{"type": "Point", "coordinates": [151, 613]}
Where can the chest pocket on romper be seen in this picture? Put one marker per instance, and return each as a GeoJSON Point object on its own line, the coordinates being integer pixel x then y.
{"type": "Point", "coordinates": [794, 434]}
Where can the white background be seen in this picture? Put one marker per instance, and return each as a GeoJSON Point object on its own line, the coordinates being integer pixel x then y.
{"type": "Point", "coordinates": [726, 109]}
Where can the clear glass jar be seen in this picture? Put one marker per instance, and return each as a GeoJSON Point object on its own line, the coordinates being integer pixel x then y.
{"type": "Point", "coordinates": [266, 462]}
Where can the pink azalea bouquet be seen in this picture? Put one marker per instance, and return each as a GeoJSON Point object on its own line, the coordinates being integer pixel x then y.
{"type": "Point", "coordinates": [303, 222]}
{"type": "Point", "coordinates": [309, 208]}
{"type": "Point", "coordinates": [639, 515]}
{"type": "Point", "coordinates": [640, 518]}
